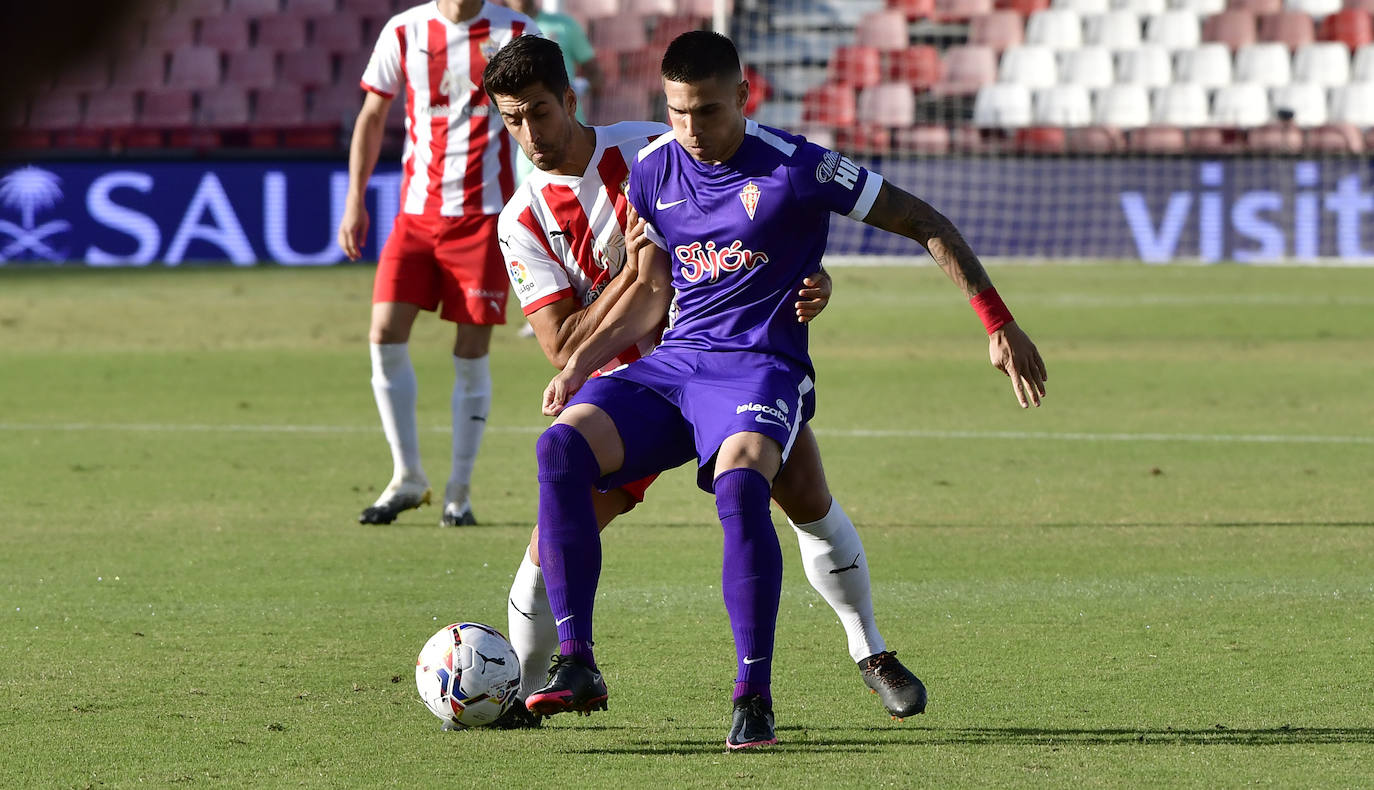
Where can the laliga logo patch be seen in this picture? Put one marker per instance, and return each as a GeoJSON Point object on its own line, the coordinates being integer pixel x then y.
{"type": "Point", "coordinates": [518, 272]}
{"type": "Point", "coordinates": [750, 197]}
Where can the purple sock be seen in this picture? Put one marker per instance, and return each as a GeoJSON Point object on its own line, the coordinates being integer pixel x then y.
{"type": "Point", "coordinates": [569, 545]}
{"type": "Point", "coordinates": [751, 575]}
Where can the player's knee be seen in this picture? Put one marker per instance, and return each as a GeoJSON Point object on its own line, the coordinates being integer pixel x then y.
{"type": "Point", "coordinates": [565, 457]}
{"type": "Point", "coordinates": [741, 491]}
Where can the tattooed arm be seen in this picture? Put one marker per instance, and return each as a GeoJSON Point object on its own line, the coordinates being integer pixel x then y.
{"type": "Point", "coordinates": [1009, 348]}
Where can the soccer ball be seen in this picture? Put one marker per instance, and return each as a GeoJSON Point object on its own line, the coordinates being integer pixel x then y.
{"type": "Point", "coordinates": [467, 675]}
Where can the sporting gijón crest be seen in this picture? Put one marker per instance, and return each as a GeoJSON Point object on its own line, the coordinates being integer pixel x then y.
{"type": "Point", "coordinates": [750, 197]}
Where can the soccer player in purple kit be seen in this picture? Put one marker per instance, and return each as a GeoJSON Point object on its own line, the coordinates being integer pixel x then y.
{"type": "Point", "coordinates": [744, 212]}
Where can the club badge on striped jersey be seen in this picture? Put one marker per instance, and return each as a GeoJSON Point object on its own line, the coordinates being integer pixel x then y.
{"type": "Point", "coordinates": [750, 197]}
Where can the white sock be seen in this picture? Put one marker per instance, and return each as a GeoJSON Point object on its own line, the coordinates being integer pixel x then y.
{"type": "Point", "coordinates": [395, 388]}
{"type": "Point", "coordinates": [836, 566]}
{"type": "Point", "coordinates": [470, 404]}
{"type": "Point", "coordinates": [530, 625]}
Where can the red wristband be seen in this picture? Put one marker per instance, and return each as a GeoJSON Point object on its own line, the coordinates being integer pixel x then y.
{"type": "Point", "coordinates": [991, 310]}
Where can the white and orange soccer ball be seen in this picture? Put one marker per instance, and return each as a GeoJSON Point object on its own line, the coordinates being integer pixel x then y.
{"type": "Point", "coordinates": [467, 675]}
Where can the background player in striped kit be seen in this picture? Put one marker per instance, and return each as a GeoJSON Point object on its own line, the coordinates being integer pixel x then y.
{"type": "Point", "coordinates": [744, 210]}
{"type": "Point", "coordinates": [563, 240]}
{"type": "Point", "coordinates": [458, 170]}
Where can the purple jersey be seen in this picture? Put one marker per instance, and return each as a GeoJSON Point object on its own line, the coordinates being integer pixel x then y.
{"type": "Point", "coordinates": [742, 235]}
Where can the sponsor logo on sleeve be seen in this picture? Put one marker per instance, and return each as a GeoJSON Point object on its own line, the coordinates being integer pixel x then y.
{"type": "Point", "coordinates": [825, 171]}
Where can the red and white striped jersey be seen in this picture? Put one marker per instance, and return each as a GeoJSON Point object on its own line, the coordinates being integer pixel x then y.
{"type": "Point", "coordinates": [564, 236]}
{"type": "Point", "coordinates": [458, 159]}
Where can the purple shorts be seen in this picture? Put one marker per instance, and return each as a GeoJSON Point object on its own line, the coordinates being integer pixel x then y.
{"type": "Point", "coordinates": [674, 404]}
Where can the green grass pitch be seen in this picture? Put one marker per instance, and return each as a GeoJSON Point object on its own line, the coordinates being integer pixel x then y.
{"type": "Point", "coordinates": [1163, 577]}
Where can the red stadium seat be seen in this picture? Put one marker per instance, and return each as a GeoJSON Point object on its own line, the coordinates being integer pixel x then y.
{"type": "Point", "coordinates": [1335, 138]}
{"type": "Point", "coordinates": [1023, 7]}
{"type": "Point", "coordinates": [864, 140]}
{"type": "Point", "coordinates": [650, 7]}
{"type": "Point", "coordinates": [1040, 140]}
{"type": "Point", "coordinates": [111, 109]}
{"type": "Point", "coordinates": [966, 69]}
{"type": "Point", "coordinates": [1095, 140]}
{"type": "Point", "coordinates": [281, 33]}
{"type": "Point", "coordinates": [961, 10]}
{"type": "Point", "coordinates": [369, 7]}
{"type": "Point", "coordinates": [225, 107]}
{"type": "Point", "coordinates": [613, 107]}
{"type": "Point", "coordinates": [1359, 5]}
{"type": "Point", "coordinates": [225, 32]}
{"type": "Point", "coordinates": [252, 69]}
{"type": "Point", "coordinates": [337, 104]}
{"type": "Point", "coordinates": [618, 34]}
{"type": "Point", "coordinates": [56, 109]}
{"type": "Point", "coordinates": [1350, 27]}
{"type": "Point", "coordinates": [254, 7]}
{"type": "Point", "coordinates": [352, 66]}
{"type": "Point", "coordinates": [1275, 138]}
{"type": "Point", "coordinates": [890, 104]}
{"type": "Point", "coordinates": [592, 9]}
{"type": "Point", "coordinates": [1292, 28]}
{"type": "Point", "coordinates": [199, 9]}
{"type": "Point", "coordinates": [308, 68]}
{"type": "Point", "coordinates": [1157, 140]}
{"type": "Point", "coordinates": [923, 139]}
{"type": "Point", "coordinates": [170, 33]}
{"type": "Point", "coordinates": [667, 28]}
{"type": "Point", "coordinates": [997, 29]}
{"type": "Point", "coordinates": [856, 66]}
{"type": "Point", "coordinates": [913, 10]}
{"type": "Point", "coordinates": [882, 30]}
{"type": "Point", "coordinates": [1256, 7]}
{"type": "Point", "coordinates": [283, 105]}
{"type": "Point", "coordinates": [166, 107]}
{"type": "Point", "coordinates": [832, 105]}
{"type": "Point", "coordinates": [918, 66]}
{"type": "Point", "coordinates": [1234, 28]}
{"type": "Point", "coordinates": [310, 7]}
{"type": "Point", "coordinates": [340, 33]}
{"type": "Point", "coordinates": [194, 68]}
{"type": "Point", "coordinates": [145, 69]}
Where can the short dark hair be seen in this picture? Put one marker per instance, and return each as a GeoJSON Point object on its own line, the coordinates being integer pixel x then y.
{"type": "Point", "coordinates": [523, 62]}
{"type": "Point", "coordinates": [700, 55]}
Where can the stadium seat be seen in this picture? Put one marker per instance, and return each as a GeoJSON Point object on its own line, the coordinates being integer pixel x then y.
{"type": "Point", "coordinates": [1174, 30]}
{"type": "Point", "coordinates": [1203, 8]}
{"type": "Point", "coordinates": [1148, 65]}
{"type": "Point", "coordinates": [1056, 28]}
{"type": "Point", "coordinates": [310, 7]}
{"type": "Point", "coordinates": [1090, 67]}
{"type": "Point", "coordinates": [1243, 105]}
{"type": "Point", "coordinates": [281, 33]}
{"type": "Point", "coordinates": [1082, 7]}
{"type": "Point", "coordinates": [1256, 7]}
{"type": "Point", "coordinates": [1040, 140]}
{"type": "Point", "coordinates": [1265, 63]}
{"type": "Point", "coordinates": [1322, 63]}
{"type": "Point", "coordinates": [864, 140]}
{"type": "Point", "coordinates": [340, 33]}
{"type": "Point", "coordinates": [225, 107]}
{"type": "Point", "coordinates": [1143, 8]}
{"type": "Point", "coordinates": [111, 109]}
{"type": "Point", "coordinates": [1351, 27]}
{"type": "Point", "coordinates": [1032, 66]}
{"type": "Point", "coordinates": [1123, 106]}
{"type": "Point", "coordinates": [1235, 28]}
{"type": "Point", "coordinates": [1313, 8]}
{"type": "Point", "coordinates": [960, 10]}
{"type": "Point", "coordinates": [640, 67]}
{"type": "Point", "coordinates": [1358, 5]}
{"type": "Point", "coordinates": [618, 34]}
{"type": "Point", "coordinates": [1023, 7]}
{"type": "Point", "coordinates": [918, 66]}
{"type": "Point", "coordinates": [55, 109]}
{"type": "Point", "coordinates": [591, 9]}
{"type": "Point", "coordinates": [1115, 30]}
{"type": "Point", "coordinates": [617, 106]}
{"type": "Point", "coordinates": [143, 69]}
{"type": "Point", "coordinates": [832, 105]}
{"type": "Point", "coordinates": [965, 70]}
{"type": "Point", "coordinates": [282, 105]}
{"type": "Point", "coordinates": [1275, 138]}
{"type": "Point", "coordinates": [1095, 139]}
{"type": "Point", "coordinates": [1293, 29]}
{"type": "Point", "coordinates": [855, 66]}
{"type": "Point", "coordinates": [90, 74]}
{"type": "Point", "coordinates": [1335, 138]}
{"type": "Point", "coordinates": [1183, 105]}
{"type": "Point", "coordinates": [170, 33]}
{"type": "Point", "coordinates": [667, 28]}
{"type": "Point", "coordinates": [1208, 65]}
{"type": "Point", "coordinates": [253, 7]}
{"type": "Point", "coordinates": [913, 9]}
{"type": "Point", "coordinates": [1157, 140]}
{"type": "Point", "coordinates": [922, 139]}
{"type": "Point", "coordinates": [252, 69]}
{"type": "Point", "coordinates": [194, 68]}
{"type": "Point", "coordinates": [199, 9]}
{"type": "Point", "coordinates": [1062, 105]}
{"type": "Point", "coordinates": [883, 30]}
{"type": "Point", "coordinates": [371, 7]}
{"type": "Point", "coordinates": [1352, 103]}
{"type": "Point", "coordinates": [1362, 64]}
{"type": "Point", "coordinates": [998, 30]}
{"type": "Point", "coordinates": [309, 68]}
{"type": "Point", "coordinates": [648, 8]}
{"type": "Point", "coordinates": [1305, 100]}
{"type": "Point", "coordinates": [167, 107]}
{"type": "Point", "coordinates": [890, 104]}
{"type": "Point", "coordinates": [1002, 105]}
{"type": "Point", "coordinates": [225, 32]}
{"type": "Point", "coordinates": [335, 104]}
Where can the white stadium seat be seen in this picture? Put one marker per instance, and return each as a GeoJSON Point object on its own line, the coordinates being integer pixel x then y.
{"type": "Point", "coordinates": [1056, 28]}
{"type": "Point", "coordinates": [1306, 100]}
{"type": "Point", "coordinates": [1002, 105]}
{"type": "Point", "coordinates": [1140, 7]}
{"type": "Point", "coordinates": [1123, 106]}
{"type": "Point", "coordinates": [1244, 104]}
{"type": "Point", "coordinates": [1087, 66]}
{"type": "Point", "coordinates": [1083, 7]}
{"type": "Point", "coordinates": [1322, 62]}
{"type": "Point", "coordinates": [1208, 65]}
{"type": "Point", "coordinates": [1174, 29]}
{"type": "Point", "coordinates": [1353, 103]}
{"type": "Point", "coordinates": [1362, 65]}
{"type": "Point", "coordinates": [1265, 63]}
{"type": "Point", "coordinates": [1032, 66]}
{"type": "Point", "coordinates": [1063, 105]}
{"type": "Point", "coordinates": [1203, 8]}
{"type": "Point", "coordinates": [1115, 30]}
{"type": "Point", "coordinates": [1148, 66]}
{"type": "Point", "coordinates": [1316, 8]}
{"type": "Point", "coordinates": [1181, 105]}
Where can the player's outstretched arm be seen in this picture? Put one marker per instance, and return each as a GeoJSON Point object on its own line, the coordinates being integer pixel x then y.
{"type": "Point", "coordinates": [638, 312]}
{"type": "Point", "coordinates": [1009, 348]}
{"type": "Point", "coordinates": [362, 159]}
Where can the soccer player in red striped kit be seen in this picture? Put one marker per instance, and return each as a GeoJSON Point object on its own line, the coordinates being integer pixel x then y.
{"type": "Point", "coordinates": [458, 170]}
